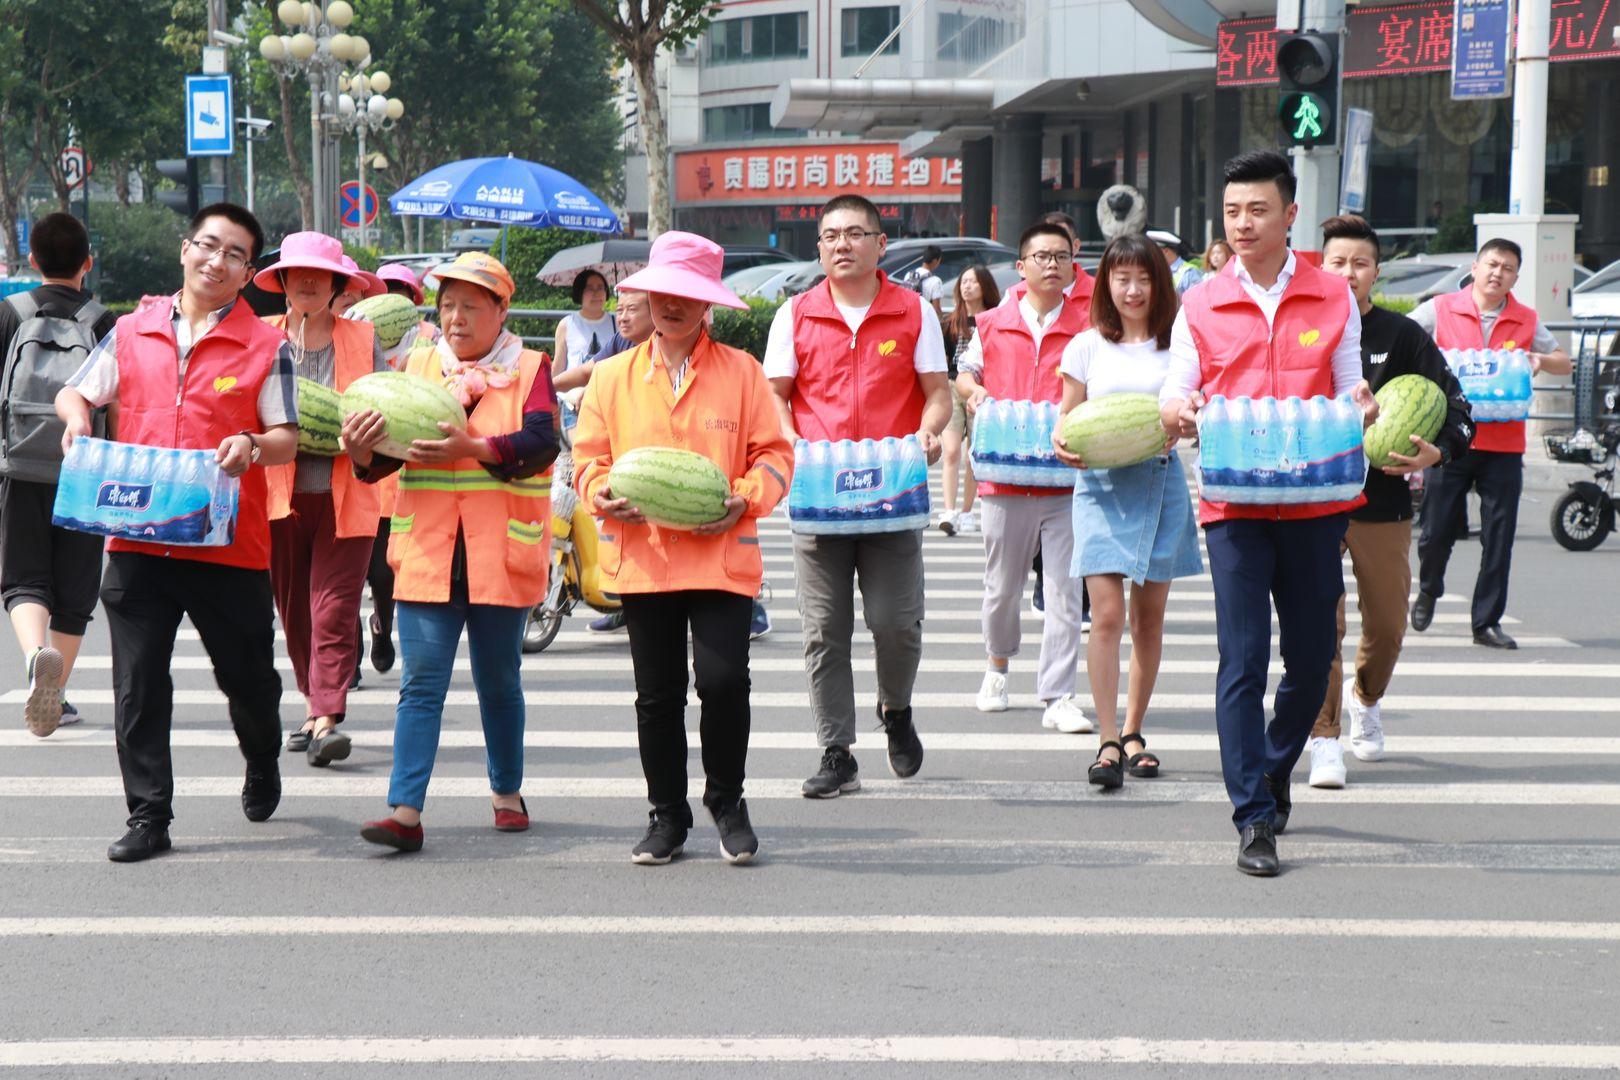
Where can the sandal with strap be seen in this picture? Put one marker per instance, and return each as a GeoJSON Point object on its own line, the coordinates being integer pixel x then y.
{"type": "Point", "coordinates": [1107, 774]}
{"type": "Point", "coordinates": [1143, 763]}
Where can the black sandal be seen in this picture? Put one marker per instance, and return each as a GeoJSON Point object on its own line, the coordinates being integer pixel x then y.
{"type": "Point", "coordinates": [1135, 764]}
{"type": "Point", "coordinates": [1107, 774]}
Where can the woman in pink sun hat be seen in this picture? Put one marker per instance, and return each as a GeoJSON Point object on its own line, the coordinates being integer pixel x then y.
{"type": "Point", "coordinates": [361, 285]}
{"type": "Point", "coordinates": [684, 390]}
{"type": "Point", "coordinates": [322, 520]}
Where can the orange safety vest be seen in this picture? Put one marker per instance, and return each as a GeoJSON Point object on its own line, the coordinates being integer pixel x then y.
{"type": "Point", "coordinates": [505, 524]}
{"type": "Point", "coordinates": [356, 505]}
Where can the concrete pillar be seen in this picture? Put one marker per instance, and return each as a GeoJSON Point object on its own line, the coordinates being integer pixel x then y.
{"type": "Point", "coordinates": [1600, 199]}
{"type": "Point", "coordinates": [1225, 142]}
{"type": "Point", "coordinates": [976, 158]}
{"type": "Point", "coordinates": [1015, 175]}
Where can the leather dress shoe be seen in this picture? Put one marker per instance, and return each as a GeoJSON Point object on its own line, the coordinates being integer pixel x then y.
{"type": "Point", "coordinates": [1492, 637]}
{"type": "Point", "coordinates": [1257, 850]}
{"type": "Point", "coordinates": [261, 789]}
{"type": "Point", "coordinates": [1284, 798]}
{"type": "Point", "coordinates": [144, 840]}
{"type": "Point", "coordinates": [327, 748]}
{"type": "Point", "coordinates": [1422, 612]}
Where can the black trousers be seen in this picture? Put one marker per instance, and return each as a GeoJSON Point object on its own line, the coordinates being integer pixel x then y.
{"type": "Point", "coordinates": [145, 597]}
{"type": "Point", "coordinates": [1499, 479]}
{"type": "Point", "coordinates": [45, 564]}
{"type": "Point", "coordinates": [657, 623]}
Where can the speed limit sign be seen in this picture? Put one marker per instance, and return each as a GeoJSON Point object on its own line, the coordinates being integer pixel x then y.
{"type": "Point", "coordinates": [75, 166]}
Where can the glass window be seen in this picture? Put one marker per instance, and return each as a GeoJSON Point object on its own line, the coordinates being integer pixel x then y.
{"type": "Point", "coordinates": [760, 37]}
{"type": "Point", "coordinates": [973, 39]}
{"type": "Point", "coordinates": [726, 123]}
{"type": "Point", "coordinates": [866, 27]}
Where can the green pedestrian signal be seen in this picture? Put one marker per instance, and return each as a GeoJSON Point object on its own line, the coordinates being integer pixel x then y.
{"type": "Point", "coordinates": [1307, 123]}
{"type": "Point", "coordinates": [1308, 78]}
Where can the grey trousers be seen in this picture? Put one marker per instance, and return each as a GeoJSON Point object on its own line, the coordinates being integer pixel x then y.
{"type": "Point", "coordinates": [889, 570]}
{"type": "Point", "coordinates": [1015, 528]}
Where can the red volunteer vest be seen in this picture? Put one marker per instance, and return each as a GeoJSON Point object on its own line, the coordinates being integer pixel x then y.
{"type": "Point", "coordinates": [217, 395]}
{"type": "Point", "coordinates": [1013, 371]}
{"type": "Point", "coordinates": [1239, 355]}
{"type": "Point", "coordinates": [862, 386]}
{"type": "Point", "coordinates": [1084, 283]}
{"type": "Point", "coordinates": [1457, 326]}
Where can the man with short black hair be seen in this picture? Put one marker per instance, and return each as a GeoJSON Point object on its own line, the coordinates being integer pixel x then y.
{"type": "Point", "coordinates": [197, 371]}
{"type": "Point", "coordinates": [1482, 315]}
{"type": "Point", "coordinates": [48, 575]}
{"type": "Point", "coordinates": [925, 279]}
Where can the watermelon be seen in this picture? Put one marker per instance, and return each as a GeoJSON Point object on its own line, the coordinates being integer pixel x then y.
{"type": "Point", "coordinates": [1407, 405]}
{"type": "Point", "coordinates": [1115, 430]}
{"type": "Point", "coordinates": [413, 407]}
{"type": "Point", "coordinates": [319, 418]}
{"type": "Point", "coordinates": [391, 315]}
{"type": "Point", "coordinates": [673, 488]}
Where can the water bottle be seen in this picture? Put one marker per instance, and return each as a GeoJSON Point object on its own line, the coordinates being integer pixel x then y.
{"type": "Point", "coordinates": [1214, 447]}
{"type": "Point", "coordinates": [1023, 420]}
{"type": "Point", "coordinates": [1303, 440]}
{"type": "Point", "coordinates": [1352, 458]}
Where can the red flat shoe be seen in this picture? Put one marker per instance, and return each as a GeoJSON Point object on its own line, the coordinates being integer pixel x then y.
{"type": "Point", "coordinates": [390, 833]}
{"type": "Point", "coordinates": [513, 820]}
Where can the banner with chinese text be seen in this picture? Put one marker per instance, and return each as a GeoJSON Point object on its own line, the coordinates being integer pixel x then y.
{"type": "Point", "coordinates": [813, 172]}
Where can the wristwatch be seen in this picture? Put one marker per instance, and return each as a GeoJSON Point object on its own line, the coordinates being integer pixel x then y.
{"type": "Point", "coordinates": [253, 452]}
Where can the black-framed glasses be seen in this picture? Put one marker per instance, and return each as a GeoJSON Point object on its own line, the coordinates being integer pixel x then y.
{"type": "Point", "coordinates": [1050, 258]}
{"type": "Point", "coordinates": [854, 234]}
{"type": "Point", "coordinates": [231, 257]}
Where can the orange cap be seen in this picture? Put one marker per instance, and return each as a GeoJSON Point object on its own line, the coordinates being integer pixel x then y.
{"type": "Point", "coordinates": [479, 269]}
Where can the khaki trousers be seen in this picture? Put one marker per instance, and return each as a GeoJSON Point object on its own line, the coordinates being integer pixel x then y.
{"type": "Point", "coordinates": [1380, 555]}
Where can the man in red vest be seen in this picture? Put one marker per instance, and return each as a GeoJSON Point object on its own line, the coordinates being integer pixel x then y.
{"type": "Point", "coordinates": [859, 357]}
{"type": "Point", "coordinates": [1269, 325]}
{"type": "Point", "coordinates": [1485, 315]}
{"type": "Point", "coordinates": [1014, 357]}
{"type": "Point", "coordinates": [196, 371]}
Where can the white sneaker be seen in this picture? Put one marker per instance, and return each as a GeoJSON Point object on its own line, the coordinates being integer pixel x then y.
{"type": "Point", "coordinates": [946, 522]}
{"type": "Point", "coordinates": [993, 692]}
{"type": "Point", "coordinates": [967, 523]}
{"type": "Point", "coordinates": [1366, 726]}
{"type": "Point", "coordinates": [1065, 715]}
{"type": "Point", "coordinates": [1327, 763]}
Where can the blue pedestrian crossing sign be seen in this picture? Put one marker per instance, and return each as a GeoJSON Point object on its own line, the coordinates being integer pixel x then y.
{"type": "Point", "coordinates": [210, 116]}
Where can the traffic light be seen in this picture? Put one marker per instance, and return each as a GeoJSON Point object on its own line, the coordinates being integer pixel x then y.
{"type": "Point", "coordinates": [182, 171]}
{"type": "Point", "coordinates": [1308, 76]}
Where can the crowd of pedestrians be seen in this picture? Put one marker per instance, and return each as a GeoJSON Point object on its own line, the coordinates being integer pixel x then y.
{"type": "Point", "coordinates": [857, 357]}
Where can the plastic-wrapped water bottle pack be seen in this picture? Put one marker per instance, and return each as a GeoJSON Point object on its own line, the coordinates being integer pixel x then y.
{"type": "Point", "coordinates": [848, 487]}
{"type": "Point", "coordinates": [149, 493]}
{"type": "Point", "coordinates": [1268, 451]}
{"type": "Point", "coordinates": [1497, 382]}
{"type": "Point", "coordinates": [1012, 444]}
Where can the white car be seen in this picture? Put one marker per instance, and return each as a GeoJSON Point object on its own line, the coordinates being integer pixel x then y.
{"type": "Point", "coordinates": [1598, 297]}
{"type": "Point", "coordinates": [1423, 277]}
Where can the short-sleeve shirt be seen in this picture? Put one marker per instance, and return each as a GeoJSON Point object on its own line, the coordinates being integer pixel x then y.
{"type": "Point", "coordinates": [1543, 342]}
{"type": "Point", "coordinates": [781, 362]}
{"type": "Point", "coordinates": [1108, 367]}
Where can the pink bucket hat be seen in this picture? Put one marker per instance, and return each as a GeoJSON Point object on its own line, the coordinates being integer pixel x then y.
{"type": "Point", "coordinates": [402, 274]}
{"type": "Point", "coordinates": [304, 251]}
{"type": "Point", "coordinates": [370, 284]}
{"type": "Point", "coordinates": [686, 265]}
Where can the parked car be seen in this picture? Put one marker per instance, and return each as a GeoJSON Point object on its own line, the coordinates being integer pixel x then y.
{"type": "Point", "coordinates": [743, 256]}
{"type": "Point", "coordinates": [1598, 297]}
{"type": "Point", "coordinates": [765, 281]}
{"type": "Point", "coordinates": [958, 253]}
{"type": "Point", "coordinates": [1005, 274]}
{"type": "Point", "coordinates": [418, 262]}
{"type": "Point", "coordinates": [1423, 277]}
{"type": "Point", "coordinates": [474, 239]}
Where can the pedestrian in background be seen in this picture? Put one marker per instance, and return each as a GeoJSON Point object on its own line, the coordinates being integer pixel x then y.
{"type": "Point", "coordinates": [1132, 522]}
{"type": "Point", "coordinates": [681, 388]}
{"type": "Point", "coordinates": [358, 285]}
{"type": "Point", "coordinates": [1183, 273]}
{"type": "Point", "coordinates": [1216, 256]}
{"type": "Point", "coordinates": [975, 292]}
{"type": "Point", "coordinates": [471, 543]}
{"type": "Point", "coordinates": [581, 334]}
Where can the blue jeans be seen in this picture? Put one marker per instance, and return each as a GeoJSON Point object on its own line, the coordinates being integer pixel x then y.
{"type": "Point", "coordinates": [428, 638]}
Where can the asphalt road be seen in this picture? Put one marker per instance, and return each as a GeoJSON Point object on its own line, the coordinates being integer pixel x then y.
{"type": "Point", "coordinates": [1455, 911]}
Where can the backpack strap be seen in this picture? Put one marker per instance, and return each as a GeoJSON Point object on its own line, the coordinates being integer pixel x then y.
{"type": "Point", "coordinates": [25, 305]}
{"type": "Point", "coordinates": [89, 314]}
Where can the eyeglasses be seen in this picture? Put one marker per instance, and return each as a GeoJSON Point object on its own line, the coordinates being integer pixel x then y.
{"type": "Point", "coordinates": [231, 257]}
{"type": "Point", "coordinates": [854, 234]}
{"type": "Point", "coordinates": [1050, 258]}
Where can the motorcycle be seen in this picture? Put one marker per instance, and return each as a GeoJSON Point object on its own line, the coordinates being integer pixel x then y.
{"type": "Point", "coordinates": [1583, 516]}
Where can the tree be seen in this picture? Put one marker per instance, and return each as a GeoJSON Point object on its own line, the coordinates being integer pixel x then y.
{"type": "Point", "coordinates": [639, 29]}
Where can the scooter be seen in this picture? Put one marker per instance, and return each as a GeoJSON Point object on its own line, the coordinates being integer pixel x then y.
{"type": "Point", "coordinates": [575, 575]}
{"type": "Point", "coordinates": [1583, 516]}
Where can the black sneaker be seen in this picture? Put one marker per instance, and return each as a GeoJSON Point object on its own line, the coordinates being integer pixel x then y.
{"type": "Point", "coordinates": [838, 775]}
{"type": "Point", "coordinates": [737, 840]}
{"type": "Point", "coordinates": [905, 748]}
{"type": "Point", "coordinates": [261, 789]}
{"type": "Point", "coordinates": [382, 645]}
{"type": "Point", "coordinates": [664, 840]}
{"type": "Point", "coordinates": [144, 840]}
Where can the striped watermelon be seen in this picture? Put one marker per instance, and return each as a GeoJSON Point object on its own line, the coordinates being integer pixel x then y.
{"type": "Point", "coordinates": [391, 315]}
{"type": "Point", "coordinates": [1115, 430]}
{"type": "Point", "coordinates": [319, 418]}
{"type": "Point", "coordinates": [1407, 405]}
{"type": "Point", "coordinates": [413, 407]}
{"type": "Point", "coordinates": [673, 488]}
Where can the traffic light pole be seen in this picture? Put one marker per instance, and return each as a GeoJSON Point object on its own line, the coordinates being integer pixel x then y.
{"type": "Point", "coordinates": [1316, 169]}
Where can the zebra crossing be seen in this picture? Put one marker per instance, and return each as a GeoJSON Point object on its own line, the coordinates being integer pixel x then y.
{"type": "Point", "coordinates": [1450, 912]}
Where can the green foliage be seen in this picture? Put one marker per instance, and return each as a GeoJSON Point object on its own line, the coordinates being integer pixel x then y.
{"type": "Point", "coordinates": [745, 330]}
{"type": "Point", "coordinates": [526, 252]}
{"type": "Point", "coordinates": [1400, 305]}
{"type": "Point", "coordinates": [139, 251]}
{"type": "Point", "coordinates": [1456, 230]}
{"type": "Point", "coordinates": [367, 258]}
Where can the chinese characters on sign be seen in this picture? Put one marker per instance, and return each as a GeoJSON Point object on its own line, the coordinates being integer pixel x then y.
{"type": "Point", "coordinates": [1410, 39]}
{"type": "Point", "coordinates": [813, 172]}
{"type": "Point", "coordinates": [1482, 49]}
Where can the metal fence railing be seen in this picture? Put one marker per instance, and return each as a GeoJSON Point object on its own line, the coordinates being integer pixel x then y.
{"type": "Point", "coordinates": [1594, 387]}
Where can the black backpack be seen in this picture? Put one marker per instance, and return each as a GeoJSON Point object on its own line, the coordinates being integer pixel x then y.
{"type": "Point", "coordinates": [45, 352]}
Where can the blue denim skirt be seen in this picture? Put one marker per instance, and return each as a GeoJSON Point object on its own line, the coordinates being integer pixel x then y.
{"type": "Point", "coordinates": [1136, 521]}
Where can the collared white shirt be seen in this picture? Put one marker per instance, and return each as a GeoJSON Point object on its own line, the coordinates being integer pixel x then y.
{"type": "Point", "coordinates": [1185, 371]}
{"type": "Point", "coordinates": [782, 362]}
{"type": "Point", "coordinates": [972, 359]}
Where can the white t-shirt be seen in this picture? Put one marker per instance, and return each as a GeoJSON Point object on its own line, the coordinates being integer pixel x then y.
{"type": "Point", "coordinates": [972, 358]}
{"type": "Point", "coordinates": [932, 288]}
{"type": "Point", "coordinates": [1107, 367]}
{"type": "Point", "coordinates": [586, 337]}
{"type": "Point", "coordinates": [781, 362]}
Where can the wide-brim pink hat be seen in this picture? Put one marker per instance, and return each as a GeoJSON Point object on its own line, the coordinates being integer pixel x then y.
{"type": "Point", "coordinates": [304, 251]}
{"type": "Point", "coordinates": [405, 276]}
{"type": "Point", "coordinates": [686, 265]}
{"type": "Point", "coordinates": [370, 284]}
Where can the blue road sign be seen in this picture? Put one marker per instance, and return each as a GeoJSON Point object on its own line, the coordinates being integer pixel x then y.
{"type": "Point", "coordinates": [210, 116]}
{"type": "Point", "coordinates": [1482, 50]}
{"type": "Point", "coordinates": [24, 230]}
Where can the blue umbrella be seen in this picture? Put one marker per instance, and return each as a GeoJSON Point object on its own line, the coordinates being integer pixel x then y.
{"type": "Point", "coordinates": [505, 191]}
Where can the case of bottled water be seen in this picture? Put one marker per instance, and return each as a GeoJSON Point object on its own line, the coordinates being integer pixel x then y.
{"type": "Point", "coordinates": [146, 493]}
{"type": "Point", "coordinates": [1261, 450]}
{"type": "Point", "coordinates": [848, 487]}
{"type": "Point", "coordinates": [1012, 444]}
{"type": "Point", "coordinates": [1497, 382]}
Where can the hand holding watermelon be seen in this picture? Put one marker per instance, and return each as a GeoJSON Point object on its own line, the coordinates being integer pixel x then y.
{"type": "Point", "coordinates": [618, 509]}
{"type": "Point", "coordinates": [455, 446]}
{"type": "Point", "coordinates": [1064, 454]}
{"type": "Point", "coordinates": [362, 433]}
{"type": "Point", "coordinates": [1405, 465]}
{"type": "Point", "coordinates": [735, 505]}
{"type": "Point", "coordinates": [1362, 395]}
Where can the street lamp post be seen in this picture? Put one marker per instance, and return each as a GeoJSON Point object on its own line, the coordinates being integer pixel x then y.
{"type": "Point", "coordinates": [362, 108]}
